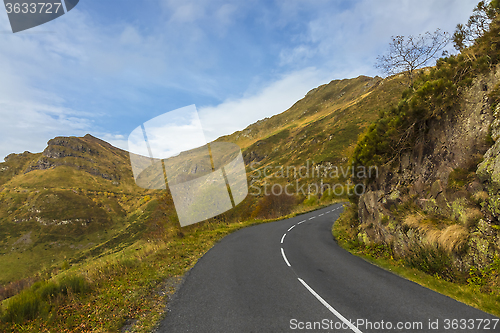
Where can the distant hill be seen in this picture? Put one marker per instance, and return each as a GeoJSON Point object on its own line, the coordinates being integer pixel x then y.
{"type": "Point", "coordinates": [78, 197]}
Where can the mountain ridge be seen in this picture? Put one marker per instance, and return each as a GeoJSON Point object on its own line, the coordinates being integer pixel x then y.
{"type": "Point", "coordinates": [81, 188]}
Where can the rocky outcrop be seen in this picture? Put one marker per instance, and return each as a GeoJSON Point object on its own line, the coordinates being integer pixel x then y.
{"type": "Point", "coordinates": [13, 156]}
{"type": "Point", "coordinates": [62, 147]}
{"type": "Point", "coordinates": [74, 152]}
{"type": "Point", "coordinates": [436, 178]}
{"type": "Point", "coordinates": [489, 170]}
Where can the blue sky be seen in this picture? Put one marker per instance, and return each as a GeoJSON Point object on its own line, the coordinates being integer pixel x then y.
{"type": "Point", "coordinates": [106, 67]}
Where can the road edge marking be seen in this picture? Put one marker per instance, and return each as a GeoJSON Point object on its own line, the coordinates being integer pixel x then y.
{"type": "Point", "coordinates": [328, 306]}
{"type": "Point", "coordinates": [284, 257]}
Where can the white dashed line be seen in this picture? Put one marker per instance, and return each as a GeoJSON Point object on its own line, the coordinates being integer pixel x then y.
{"type": "Point", "coordinates": [318, 297]}
{"type": "Point", "coordinates": [328, 306]}
{"type": "Point", "coordinates": [284, 257]}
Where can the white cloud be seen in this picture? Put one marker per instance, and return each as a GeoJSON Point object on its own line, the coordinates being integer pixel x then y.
{"type": "Point", "coordinates": [28, 126]}
{"type": "Point", "coordinates": [43, 74]}
{"type": "Point", "coordinates": [350, 37]}
{"type": "Point", "coordinates": [236, 114]}
{"type": "Point", "coordinates": [117, 140]}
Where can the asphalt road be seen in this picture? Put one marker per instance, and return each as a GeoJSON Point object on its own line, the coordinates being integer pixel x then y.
{"type": "Point", "coordinates": [291, 275]}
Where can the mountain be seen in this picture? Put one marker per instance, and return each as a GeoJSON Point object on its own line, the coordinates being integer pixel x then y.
{"type": "Point", "coordinates": [77, 194]}
{"type": "Point", "coordinates": [78, 197]}
{"type": "Point", "coordinates": [322, 126]}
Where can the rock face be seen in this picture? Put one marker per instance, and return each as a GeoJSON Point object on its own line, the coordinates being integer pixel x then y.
{"type": "Point", "coordinates": [437, 178]}
{"type": "Point", "coordinates": [62, 147]}
{"type": "Point", "coordinates": [84, 154]}
{"type": "Point", "coordinates": [489, 170]}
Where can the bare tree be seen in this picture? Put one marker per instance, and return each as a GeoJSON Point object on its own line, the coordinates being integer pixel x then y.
{"type": "Point", "coordinates": [410, 53]}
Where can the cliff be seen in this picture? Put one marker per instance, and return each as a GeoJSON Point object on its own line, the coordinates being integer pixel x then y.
{"type": "Point", "coordinates": [444, 192]}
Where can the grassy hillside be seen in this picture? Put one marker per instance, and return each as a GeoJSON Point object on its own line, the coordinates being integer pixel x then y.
{"type": "Point", "coordinates": [74, 209]}
{"type": "Point", "coordinates": [318, 132]}
{"type": "Point", "coordinates": [322, 126]}
{"type": "Point", "coordinates": [77, 194]}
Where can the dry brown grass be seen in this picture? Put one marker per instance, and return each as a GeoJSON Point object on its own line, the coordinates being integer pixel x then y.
{"type": "Point", "coordinates": [453, 238]}
{"type": "Point", "coordinates": [414, 221]}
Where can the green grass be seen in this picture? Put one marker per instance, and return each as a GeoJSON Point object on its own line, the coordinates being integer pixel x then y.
{"type": "Point", "coordinates": [470, 295]}
{"type": "Point", "coordinates": [37, 300]}
{"type": "Point", "coordinates": [131, 285]}
{"type": "Point", "coordinates": [48, 250]}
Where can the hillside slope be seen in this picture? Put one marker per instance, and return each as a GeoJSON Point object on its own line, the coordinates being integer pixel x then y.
{"type": "Point", "coordinates": [322, 125]}
{"type": "Point", "coordinates": [435, 203]}
{"type": "Point", "coordinates": [75, 195]}
{"type": "Point", "coordinates": [78, 197]}
{"type": "Point", "coordinates": [317, 134]}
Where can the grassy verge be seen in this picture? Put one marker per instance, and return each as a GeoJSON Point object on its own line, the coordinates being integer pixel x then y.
{"type": "Point", "coordinates": [121, 290]}
{"type": "Point", "coordinates": [377, 255]}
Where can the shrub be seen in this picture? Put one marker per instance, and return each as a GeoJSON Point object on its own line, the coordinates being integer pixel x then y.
{"type": "Point", "coordinates": [310, 201]}
{"type": "Point", "coordinates": [31, 302]}
{"type": "Point", "coordinates": [272, 206]}
{"type": "Point", "coordinates": [458, 178]}
{"type": "Point", "coordinates": [73, 283]}
{"type": "Point", "coordinates": [431, 259]}
{"type": "Point", "coordinates": [25, 306]}
{"type": "Point", "coordinates": [327, 196]}
{"type": "Point", "coordinates": [487, 278]}
{"type": "Point", "coordinates": [494, 96]}
{"type": "Point", "coordinates": [46, 289]}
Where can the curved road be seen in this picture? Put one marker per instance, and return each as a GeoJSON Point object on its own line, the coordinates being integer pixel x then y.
{"type": "Point", "coordinates": [291, 275]}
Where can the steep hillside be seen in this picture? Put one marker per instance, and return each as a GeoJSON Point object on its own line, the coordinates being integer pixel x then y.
{"type": "Point", "coordinates": [435, 202]}
{"type": "Point", "coordinates": [322, 125]}
{"type": "Point", "coordinates": [317, 133]}
{"type": "Point", "coordinates": [77, 194]}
